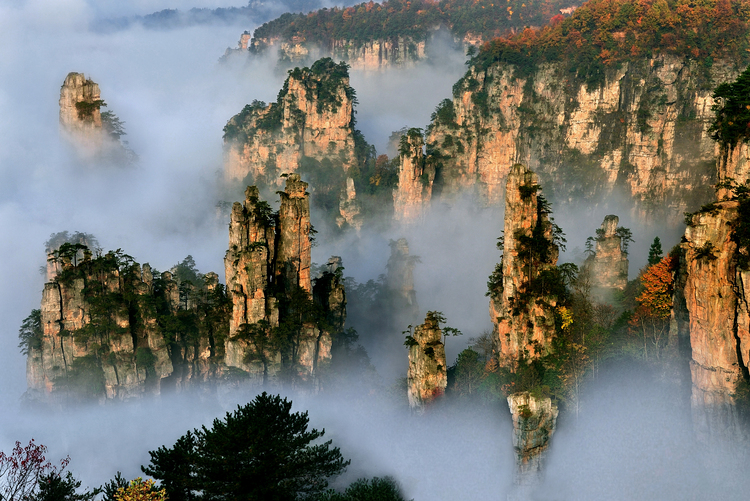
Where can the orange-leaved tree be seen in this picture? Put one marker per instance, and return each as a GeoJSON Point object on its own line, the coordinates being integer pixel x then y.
{"type": "Point", "coordinates": [651, 318]}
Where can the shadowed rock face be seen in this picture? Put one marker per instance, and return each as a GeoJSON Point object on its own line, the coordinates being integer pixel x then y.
{"type": "Point", "coordinates": [427, 377]}
{"type": "Point", "coordinates": [268, 279]}
{"type": "Point", "coordinates": [608, 267]}
{"type": "Point", "coordinates": [400, 279]}
{"type": "Point", "coordinates": [534, 422]}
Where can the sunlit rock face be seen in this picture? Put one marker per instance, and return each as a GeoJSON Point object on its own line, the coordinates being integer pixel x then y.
{"type": "Point", "coordinates": [523, 317]}
{"type": "Point", "coordinates": [103, 333]}
{"type": "Point", "coordinates": [641, 134]}
{"type": "Point", "coordinates": [523, 325]}
{"type": "Point", "coordinates": [534, 421]}
{"type": "Point", "coordinates": [716, 296]}
{"type": "Point", "coordinates": [427, 377]}
{"type": "Point", "coordinates": [309, 128]}
{"type": "Point", "coordinates": [268, 279]}
{"type": "Point", "coordinates": [412, 197]}
{"type": "Point", "coordinates": [608, 266]}
{"type": "Point", "coordinates": [80, 116]}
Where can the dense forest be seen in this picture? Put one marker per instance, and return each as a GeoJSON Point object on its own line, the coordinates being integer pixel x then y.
{"type": "Point", "coordinates": [413, 19]}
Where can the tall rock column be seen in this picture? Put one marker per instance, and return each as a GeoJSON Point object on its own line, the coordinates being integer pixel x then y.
{"type": "Point", "coordinates": [524, 320]}
{"type": "Point", "coordinates": [717, 297]}
{"type": "Point", "coordinates": [411, 198]}
{"type": "Point", "coordinates": [399, 279]}
{"type": "Point", "coordinates": [609, 263]}
{"type": "Point", "coordinates": [427, 377]}
{"type": "Point", "coordinates": [293, 246]}
{"type": "Point", "coordinates": [80, 100]}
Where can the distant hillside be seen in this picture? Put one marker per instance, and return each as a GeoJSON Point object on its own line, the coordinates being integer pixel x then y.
{"type": "Point", "coordinates": [401, 23]}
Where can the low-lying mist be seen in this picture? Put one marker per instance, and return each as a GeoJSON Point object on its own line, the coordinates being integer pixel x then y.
{"type": "Point", "coordinates": [631, 440]}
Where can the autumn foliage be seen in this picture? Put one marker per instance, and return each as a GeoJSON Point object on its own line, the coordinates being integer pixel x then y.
{"type": "Point", "coordinates": [651, 317]}
{"type": "Point", "coordinates": [140, 490]}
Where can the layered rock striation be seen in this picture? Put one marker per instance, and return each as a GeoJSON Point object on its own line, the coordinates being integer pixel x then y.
{"type": "Point", "coordinates": [427, 376]}
{"type": "Point", "coordinates": [522, 312]}
{"type": "Point", "coordinates": [641, 133]}
{"type": "Point", "coordinates": [716, 297]}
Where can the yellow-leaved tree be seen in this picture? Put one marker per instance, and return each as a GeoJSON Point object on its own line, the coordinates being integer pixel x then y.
{"type": "Point", "coordinates": [141, 490]}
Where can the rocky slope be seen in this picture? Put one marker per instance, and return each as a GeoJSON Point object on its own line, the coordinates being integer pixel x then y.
{"type": "Point", "coordinates": [309, 129]}
{"type": "Point", "coordinates": [427, 376]}
{"type": "Point", "coordinates": [608, 266]}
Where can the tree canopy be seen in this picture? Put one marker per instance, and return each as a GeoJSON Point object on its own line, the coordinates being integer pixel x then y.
{"type": "Point", "coordinates": [261, 451]}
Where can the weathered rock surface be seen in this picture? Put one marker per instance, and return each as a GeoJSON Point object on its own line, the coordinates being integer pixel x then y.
{"type": "Point", "coordinates": [411, 199]}
{"type": "Point", "coordinates": [83, 126]}
{"type": "Point", "coordinates": [608, 266]}
{"type": "Point", "coordinates": [268, 279]}
{"type": "Point", "coordinates": [534, 421]}
{"type": "Point", "coordinates": [310, 128]}
{"type": "Point", "coordinates": [427, 377]}
{"type": "Point", "coordinates": [524, 323]}
{"type": "Point", "coordinates": [716, 297]}
{"type": "Point", "coordinates": [642, 134]}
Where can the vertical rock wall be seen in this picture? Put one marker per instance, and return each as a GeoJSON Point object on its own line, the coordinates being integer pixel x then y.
{"type": "Point", "coordinates": [427, 376]}
{"type": "Point", "coordinates": [534, 421]}
{"type": "Point", "coordinates": [412, 198]}
{"type": "Point", "coordinates": [82, 127]}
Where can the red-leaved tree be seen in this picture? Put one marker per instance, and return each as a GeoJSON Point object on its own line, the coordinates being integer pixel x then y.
{"type": "Point", "coordinates": [20, 470]}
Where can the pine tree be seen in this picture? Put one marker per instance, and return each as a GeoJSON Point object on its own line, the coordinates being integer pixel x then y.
{"type": "Point", "coordinates": [655, 253]}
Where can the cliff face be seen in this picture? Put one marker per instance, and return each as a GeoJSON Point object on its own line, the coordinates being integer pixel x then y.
{"type": "Point", "coordinates": [716, 297]}
{"type": "Point", "coordinates": [310, 128]}
{"type": "Point", "coordinates": [268, 279]}
{"type": "Point", "coordinates": [415, 179]}
{"type": "Point", "coordinates": [534, 421]}
{"type": "Point", "coordinates": [524, 321]}
{"type": "Point", "coordinates": [608, 266]}
{"type": "Point", "coordinates": [642, 133]}
{"type": "Point", "coordinates": [427, 377]}
{"type": "Point", "coordinates": [111, 330]}
{"type": "Point", "coordinates": [80, 117]}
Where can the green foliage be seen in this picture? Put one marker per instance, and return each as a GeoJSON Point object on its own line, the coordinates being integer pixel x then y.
{"type": "Point", "coordinates": [444, 115]}
{"type": "Point", "coordinates": [363, 489]}
{"type": "Point", "coordinates": [30, 334]}
{"type": "Point", "coordinates": [495, 282]}
{"type": "Point", "coordinates": [56, 487]}
{"type": "Point", "coordinates": [86, 109]}
{"type": "Point", "coordinates": [626, 237]}
{"type": "Point", "coordinates": [268, 447]}
{"type": "Point", "coordinates": [706, 251]}
{"type": "Point", "coordinates": [731, 123]}
{"type": "Point", "coordinates": [110, 488]}
{"type": "Point", "coordinates": [655, 254]}
{"type": "Point", "coordinates": [112, 125]}
{"type": "Point", "coordinates": [413, 136]}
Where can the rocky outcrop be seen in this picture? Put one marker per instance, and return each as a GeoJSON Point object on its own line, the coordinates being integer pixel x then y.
{"type": "Point", "coordinates": [522, 311]}
{"type": "Point", "coordinates": [415, 178]}
{"type": "Point", "coordinates": [716, 297]}
{"type": "Point", "coordinates": [310, 129]}
{"type": "Point", "coordinates": [268, 279]}
{"type": "Point", "coordinates": [608, 265]}
{"type": "Point", "coordinates": [112, 329]}
{"type": "Point", "coordinates": [522, 314]}
{"type": "Point", "coordinates": [427, 377]}
{"type": "Point", "coordinates": [641, 134]}
{"type": "Point", "coordinates": [80, 115]}
{"type": "Point", "coordinates": [534, 421]}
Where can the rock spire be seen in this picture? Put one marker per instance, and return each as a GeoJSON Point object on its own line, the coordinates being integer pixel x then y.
{"type": "Point", "coordinates": [427, 377]}
{"type": "Point", "coordinates": [608, 265]}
